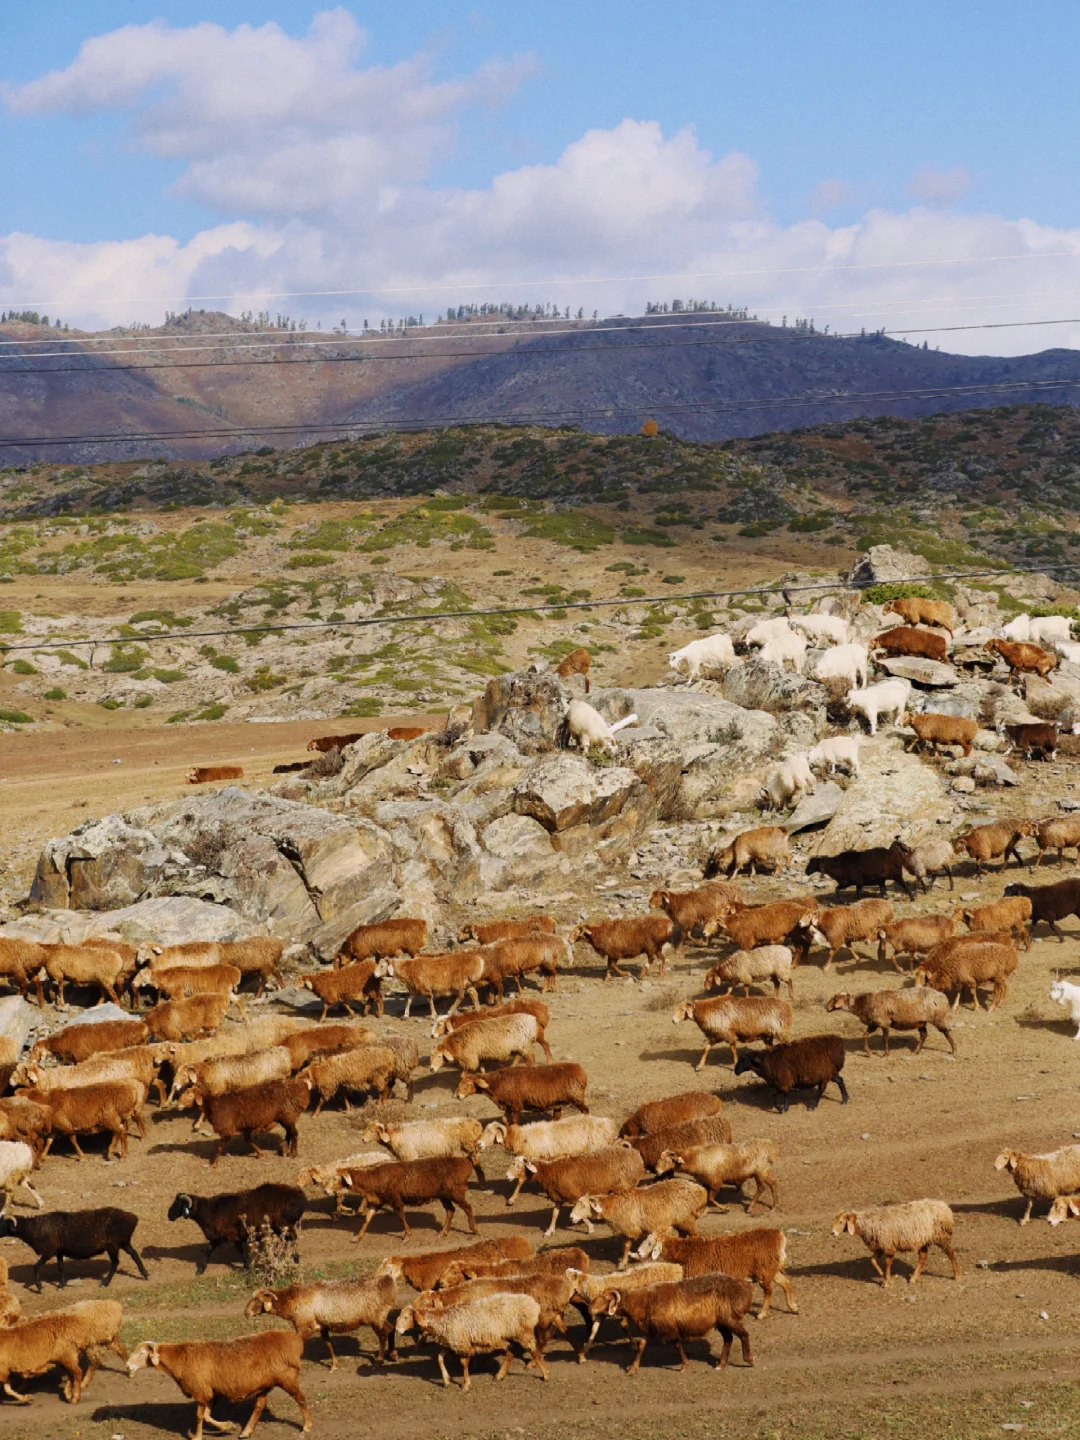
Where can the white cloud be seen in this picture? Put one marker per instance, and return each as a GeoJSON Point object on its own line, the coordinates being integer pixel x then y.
{"type": "Point", "coordinates": [334, 161]}
{"type": "Point", "coordinates": [940, 188]}
{"type": "Point", "coordinates": [829, 195]}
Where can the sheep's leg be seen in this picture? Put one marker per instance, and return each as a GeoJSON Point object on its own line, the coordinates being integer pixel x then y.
{"type": "Point", "coordinates": [1025, 935]}
{"type": "Point", "coordinates": [866, 1039]}
{"type": "Point", "coordinates": [444, 1372]}
{"type": "Point", "coordinates": [641, 1342]}
{"type": "Point", "coordinates": [842, 1088]}
{"type": "Point", "coordinates": [553, 1224]}
{"type": "Point", "coordinates": [704, 1055]}
{"type": "Point", "coordinates": [744, 1341]}
{"type": "Point", "coordinates": [368, 1213]}
{"type": "Point", "coordinates": [545, 1047]}
{"type": "Point", "coordinates": [114, 1261]}
{"type": "Point", "coordinates": [921, 1040]}
{"type": "Point", "coordinates": [920, 1265]}
{"type": "Point", "coordinates": [75, 1142]}
{"type": "Point", "coordinates": [14, 1394]}
{"type": "Point", "coordinates": [951, 1253]}
{"type": "Point", "coordinates": [130, 1250]}
{"type": "Point", "coordinates": [466, 1382]}
{"type": "Point", "coordinates": [887, 1272]}
{"type": "Point", "coordinates": [625, 1256]}
{"type": "Point", "coordinates": [27, 1186]}
{"type": "Point", "coordinates": [448, 1206]}
{"type": "Point", "coordinates": [408, 1005]}
{"type": "Point", "coordinates": [257, 1410]}
{"type": "Point", "coordinates": [1027, 1213]}
{"type": "Point", "coordinates": [885, 1036]}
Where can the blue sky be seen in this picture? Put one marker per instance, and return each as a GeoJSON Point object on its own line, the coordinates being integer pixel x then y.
{"type": "Point", "coordinates": [915, 129]}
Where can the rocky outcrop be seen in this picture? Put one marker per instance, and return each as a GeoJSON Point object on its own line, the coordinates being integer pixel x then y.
{"type": "Point", "coordinates": [895, 795]}
{"type": "Point", "coordinates": [100, 865]}
{"type": "Point", "coordinates": [762, 685]}
{"type": "Point", "coordinates": [585, 805]}
{"type": "Point", "coordinates": [884, 562]}
{"type": "Point", "coordinates": [526, 707]}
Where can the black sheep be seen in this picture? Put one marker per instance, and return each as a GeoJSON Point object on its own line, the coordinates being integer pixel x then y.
{"type": "Point", "coordinates": [816, 1060]}
{"type": "Point", "coordinates": [76, 1235]}
{"type": "Point", "coordinates": [1050, 903]}
{"type": "Point", "coordinates": [230, 1218]}
{"type": "Point", "coordinates": [859, 868]}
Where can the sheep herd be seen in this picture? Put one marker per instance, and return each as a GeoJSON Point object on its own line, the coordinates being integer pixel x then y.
{"type": "Point", "coordinates": [647, 1179]}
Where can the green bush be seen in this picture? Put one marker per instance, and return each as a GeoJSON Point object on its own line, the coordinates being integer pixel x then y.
{"type": "Point", "coordinates": [56, 693]}
{"type": "Point", "coordinates": [362, 708]}
{"type": "Point", "coordinates": [226, 663]}
{"type": "Point", "coordinates": [143, 702]}
{"type": "Point", "coordinates": [674, 579]}
{"type": "Point", "coordinates": [22, 667]}
{"type": "Point", "coordinates": [758, 528]}
{"type": "Point", "coordinates": [111, 704]}
{"type": "Point", "coordinates": [125, 660]}
{"type": "Point", "coordinates": [308, 560]}
{"type": "Point", "coordinates": [896, 590]}
{"type": "Point", "coordinates": [16, 717]}
{"type": "Point", "coordinates": [263, 679]}
{"type": "Point", "coordinates": [178, 717]}
{"type": "Point", "coordinates": [212, 712]}
{"type": "Point", "coordinates": [808, 524]}
{"type": "Point", "coordinates": [10, 622]}
{"type": "Point", "coordinates": [642, 536]}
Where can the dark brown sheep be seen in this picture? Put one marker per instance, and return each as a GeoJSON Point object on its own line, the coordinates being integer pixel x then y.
{"type": "Point", "coordinates": [816, 1060]}
{"type": "Point", "coordinates": [413, 1182]}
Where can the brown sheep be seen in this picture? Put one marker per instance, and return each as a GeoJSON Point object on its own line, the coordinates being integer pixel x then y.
{"type": "Point", "coordinates": [207, 774]}
{"type": "Point", "coordinates": [557, 1259]}
{"type": "Point", "coordinates": [448, 1024]}
{"type": "Point", "coordinates": [457, 973]}
{"type": "Point", "coordinates": [186, 1019]}
{"type": "Point", "coordinates": [839, 927]}
{"type": "Point", "coordinates": [546, 1088]}
{"type": "Point", "coordinates": [757, 925]}
{"type": "Point", "coordinates": [89, 1109]}
{"type": "Point", "coordinates": [256, 1109]}
{"type": "Point", "coordinates": [384, 940]}
{"type": "Point", "coordinates": [691, 910]}
{"type": "Point", "coordinates": [916, 610]}
{"type": "Point", "coordinates": [934, 730]}
{"type": "Point", "coordinates": [179, 982]}
{"type": "Point", "coordinates": [336, 1307]}
{"type": "Point", "coordinates": [887, 1010]}
{"type": "Point", "coordinates": [767, 847]}
{"type": "Point", "coordinates": [20, 961]}
{"type": "Point", "coordinates": [109, 969]}
{"type": "Point", "coordinates": [363, 1068]}
{"type": "Point", "coordinates": [511, 959]}
{"type": "Point", "coordinates": [488, 932]}
{"type": "Point", "coordinates": [758, 1254]}
{"type": "Point", "coordinates": [303, 1044]}
{"type": "Point", "coordinates": [1050, 903]}
{"type": "Point", "coordinates": [730, 1019]}
{"type": "Point", "coordinates": [715, 1166]}
{"type": "Point", "coordinates": [916, 935]}
{"type": "Point", "coordinates": [566, 1179]}
{"type": "Point", "coordinates": [816, 1060]}
{"type": "Point", "coordinates": [348, 986]}
{"type": "Point", "coordinates": [1022, 658]}
{"type": "Point", "coordinates": [656, 1115]}
{"type": "Point", "coordinates": [1029, 738]}
{"type": "Point", "coordinates": [998, 840]}
{"type": "Point", "coordinates": [25, 1120]}
{"type": "Point", "coordinates": [685, 1134]}
{"type": "Point", "coordinates": [324, 743]}
{"type": "Point", "coordinates": [1013, 915]}
{"type": "Point", "coordinates": [967, 969]}
{"type": "Point", "coordinates": [441, 1178]}
{"type": "Point", "coordinates": [423, 1272]}
{"type": "Point", "coordinates": [687, 1310]}
{"type": "Point", "coordinates": [78, 1042]}
{"type": "Point", "coordinates": [576, 663]}
{"type": "Point", "coordinates": [907, 640]}
{"type": "Point", "coordinates": [627, 939]}
{"type": "Point", "coordinates": [1060, 833]}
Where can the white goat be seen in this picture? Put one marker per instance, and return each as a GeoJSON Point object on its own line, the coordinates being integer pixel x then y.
{"type": "Point", "coordinates": [588, 727]}
{"type": "Point", "coordinates": [822, 627]}
{"type": "Point", "coordinates": [843, 662]}
{"type": "Point", "coordinates": [1065, 993]}
{"type": "Point", "coordinates": [888, 697]}
{"type": "Point", "coordinates": [834, 751]}
{"type": "Point", "coordinates": [789, 782]}
{"type": "Point", "coordinates": [1018, 629]}
{"type": "Point", "coordinates": [1050, 627]}
{"type": "Point", "coordinates": [715, 652]}
{"type": "Point", "coordinates": [1068, 650]}
{"type": "Point", "coordinates": [782, 648]}
{"type": "Point", "coordinates": [766, 630]}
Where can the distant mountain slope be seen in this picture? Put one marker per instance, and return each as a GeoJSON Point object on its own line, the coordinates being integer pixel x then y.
{"type": "Point", "coordinates": [704, 378]}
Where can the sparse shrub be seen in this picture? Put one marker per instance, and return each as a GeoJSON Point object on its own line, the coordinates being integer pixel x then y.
{"type": "Point", "coordinates": [272, 1259]}
{"type": "Point", "coordinates": [111, 703]}
{"type": "Point", "coordinates": [16, 717]}
{"type": "Point", "coordinates": [142, 703]}
{"type": "Point", "coordinates": [226, 663]}
{"type": "Point", "coordinates": [327, 763]}
{"type": "Point", "coordinates": [263, 679]}
{"type": "Point", "coordinates": [212, 712]}
{"type": "Point", "coordinates": [10, 622]}
{"type": "Point", "coordinates": [23, 667]}
{"type": "Point", "coordinates": [896, 590]}
{"type": "Point", "coordinates": [56, 693]}
{"type": "Point", "coordinates": [363, 707]}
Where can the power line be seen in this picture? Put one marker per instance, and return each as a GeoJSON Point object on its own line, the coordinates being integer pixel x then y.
{"type": "Point", "coordinates": [429, 288]}
{"type": "Point", "coordinates": [425, 617]}
{"type": "Point", "coordinates": [653, 406]}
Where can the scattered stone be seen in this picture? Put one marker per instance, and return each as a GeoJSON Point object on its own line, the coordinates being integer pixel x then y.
{"type": "Point", "coordinates": [930, 673]}
{"type": "Point", "coordinates": [964, 785]}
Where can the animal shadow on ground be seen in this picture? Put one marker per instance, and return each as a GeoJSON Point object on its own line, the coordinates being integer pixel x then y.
{"type": "Point", "coordinates": [1011, 1207]}
{"type": "Point", "coordinates": [177, 1418]}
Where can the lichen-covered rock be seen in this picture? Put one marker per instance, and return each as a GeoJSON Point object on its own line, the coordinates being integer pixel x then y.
{"type": "Point", "coordinates": [563, 791]}
{"type": "Point", "coordinates": [896, 795]}
{"type": "Point", "coordinates": [527, 707]}
{"type": "Point", "coordinates": [763, 685]}
{"type": "Point", "coordinates": [885, 562]}
{"type": "Point", "coordinates": [101, 865]}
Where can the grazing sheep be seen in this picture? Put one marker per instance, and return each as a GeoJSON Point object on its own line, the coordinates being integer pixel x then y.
{"type": "Point", "coordinates": [656, 1115]}
{"type": "Point", "coordinates": [232, 1218]}
{"type": "Point", "coordinates": [732, 1164]}
{"type": "Point", "coordinates": [887, 1010]}
{"type": "Point", "coordinates": [765, 848]}
{"type": "Point", "coordinates": [1023, 659]}
{"type": "Point", "coordinates": [363, 1068]}
{"type": "Point", "coordinates": [626, 939]}
{"type": "Point", "coordinates": [414, 1182]}
{"type": "Point", "coordinates": [684, 1135]}
{"type": "Point", "coordinates": [933, 729]}
{"type": "Point", "coordinates": [487, 1041]}
{"type": "Point", "coordinates": [731, 1019]}
{"type": "Point", "coordinates": [889, 1229]}
{"type": "Point", "coordinates": [838, 928]}
{"type": "Point", "coordinates": [687, 1310]}
{"type": "Point", "coordinates": [887, 697]}
{"type": "Point", "coordinates": [456, 973]}
{"type": "Point", "coordinates": [550, 1139]}
{"type": "Point", "coordinates": [933, 858]}
{"type": "Point", "coordinates": [565, 1180]}
{"type": "Point", "coordinates": [1060, 833]}
{"type": "Point", "coordinates": [758, 1254]}
{"type": "Point", "coordinates": [816, 1060]}
{"type": "Point", "coordinates": [784, 648]}
{"type": "Point", "coordinates": [917, 610]}
{"type": "Point", "coordinates": [998, 840]}
{"type": "Point", "coordinates": [233, 1369]}
{"type": "Point", "coordinates": [257, 1109]}
{"type": "Point", "coordinates": [478, 1328]}
{"type": "Point", "coordinates": [850, 663]}
{"type": "Point", "coordinates": [423, 1272]}
{"type": "Point", "coordinates": [586, 727]}
{"type": "Point", "coordinates": [1042, 1177]}
{"type": "Point", "coordinates": [857, 869]}
{"type": "Point", "coordinates": [1030, 738]}
{"type": "Point", "coordinates": [592, 1293]}
{"type": "Point", "coordinates": [834, 751]}
{"type": "Point", "coordinates": [348, 986]}
{"type": "Point", "coordinates": [787, 784]}
{"type": "Point", "coordinates": [419, 1139]}
{"type": "Point", "coordinates": [1049, 903]}
{"type": "Point", "coordinates": [76, 1235]}
{"type": "Point", "coordinates": [1064, 1207]}
{"type": "Point", "coordinates": [16, 1166]}
{"type": "Point", "coordinates": [917, 935]}
{"type": "Point", "coordinates": [651, 1210]}
{"type": "Point", "coordinates": [766, 630]}
{"type": "Point", "coordinates": [545, 1088]}
{"type": "Point", "coordinates": [1065, 993]}
{"type": "Point", "coordinates": [818, 628]}
{"type": "Point", "coordinates": [714, 653]}
{"type": "Point", "coordinates": [488, 932]}
{"type": "Point", "coordinates": [576, 663]}
{"type": "Point", "coordinates": [989, 963]}
{"type": "Point", "coordinates": [384, 940]}
{"type": "Point", "coordinates": [753, 967]}
{"type": "Point", "coordinates": [1012, 915]}
{"type": "Point", "coordinates": [333, 1307]}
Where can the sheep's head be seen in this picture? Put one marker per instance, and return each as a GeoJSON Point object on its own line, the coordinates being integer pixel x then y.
{"type": "Point", "coordinates": [470, 1084]}
{"type": "Point", "coordinates": [492, 1134]}
{"type": "Point", "coordinates": [614, 1300]}
{"type": "Point", "coordinates": [1062, 1208]}
{"type": "Point", "coordinates": [391, 1266]}
{"type": "Point", "coordinates": [143, 1355]}
{"type": "Point", "coordinates": [384, 970]}
{"type": "Point", "coordinates": [436, 1060]}
{"type": "Point", "coordinates": [7, 1226]}
{"type": "Point", "coordinates": [668, 1161]}
{"type": "Point", "coordinates": [180, 1209]}
{"type": "Point", "coordinates": [406, 1321]}
{"type": "Point", "coordinates": [579, 932]}
{"type": "Point", "coordinates": [683, 1012]}
{"type": "Point", "coordinates": [1006, 1160]}
{"type": "Point", "coordinates": [517, 1168]}
{"type": "Point", "coordinates": [748, 1060]}
{"type": "Point", "coordinates": [841, 1001]}
{"type": "Point", "coordinates": [261, 1303]}
{"type": "Point", "coordinates": [583, 1212]}
{"type": "Point", "coordinates": [658, 899]}
{"type": "Point", "coordinates": [845, 1221]}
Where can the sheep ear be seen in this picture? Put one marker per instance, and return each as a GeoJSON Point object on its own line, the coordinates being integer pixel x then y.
{"type": "Point", "coordinates": [614, 1301]}
{"type": "Point", "coordinates": [849, 1224]}
{"type": "Point", "coordinates": [530, 1166]}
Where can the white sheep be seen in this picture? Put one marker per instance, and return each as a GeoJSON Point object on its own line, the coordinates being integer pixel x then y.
{"type": "Point", "coordinates": [834, 751]}
{"type": "Point", "coordinates": [789, 782]}
{"type": "Point", "coordinates": [766, 630]}
{"type": "Point", "coordinates": [1042, 1177]}
{"type": "Point", "coordinates": [843, 662]}
{"type": "Point", "coordinates": [715, 652]}
{"type": "Point", "coordinates": [16, 1167]}
{"type": "Point", "coordinates": [783, 648]}
{"type": "Point", "coordinates": [887, 697]}
{"type": "Point", "coordinates": [1018, 629]}
{"type": "Point", "coordinates": [822, 627]}
{"type": "Point", "coordinates": [588, 727]}
{"type": "Point", "coordinates": [1068, 994]}
{"type": "Point", "coordinates": [914, 1226]}
{"type": "Point", "coordinates": [1050, 627]}
{"type": "Point", "coordinates": [477, 1327]}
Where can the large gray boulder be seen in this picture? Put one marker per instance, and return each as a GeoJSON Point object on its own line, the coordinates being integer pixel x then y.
{"type": "Point", "coordinates": [929, 673]}
{"type": "Point", "coordinates": [167, 920]}
{"type": "Point", "coordinates": [896, 795]}
{"type": "Point", "coordinates": [886, 562]}
{"type": "Point", "coordinates": [564, 791]}
{"type": "Point", "coordinates": [527, 707]}
{"type": "Point", "coordinates": [763, 685]}
{"type": "Point", "coordinates": [101, 865]}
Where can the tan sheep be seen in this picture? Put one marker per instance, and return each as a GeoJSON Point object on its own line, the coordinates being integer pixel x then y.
{"type": "Point", "coordinates": [917, 935]}
{"type": "Point", "coordinates": [684, 1134]}
{"type": "Point", "coordinates": [656, 1115]}
{"type": "Point", "coordinates": [839, 927]}
{"type": "Point", "coordinates": [755, 925]}
{"type": "Point", "coordinates": [186, 1019]}
{"type": "Point", "coordinates": [933, 858]}
{"type": "Point", "coordinates": [934, 730]}
{"type": "Point", "coordinates": [966, 969]}
{"type": "Point", "coordinates": [997, 840]}
{"type": "Point", "coordinates": [891, 1229]}
{"type": "Point", "coordinates": [384, 940]}
{"type": "Point", "coordinates": [691, 910]}
{"type": "Point", "coordinates": [416, 1140]}
{"type": "Point", "coordinates": [566, 1179]}
{"type": "Point", "coordinates": [730, 1019]}
{"type": "Point", "coordinates": [1012, 915]}
{"type": "Point", "coordinates": [753, 967]}
{"type": "Point", "coordinates": [1060, 833]}
{"type": "Point", "coordinates": [621, 940]}
{"type": "Point", "coordinates": [550, 1139]}
{"type": "Point", "coordinates": [333, 1307]}
{"type": "Point", "coordinates": [488, 932]}
{"type": "Point", "coordinates": [478, 1328]}
{"type": "Point", "coordinates": [653, 1210]}
{"type": "Point", "coordinates": [350, 985]}
{"type": "Point", "coordinates": [759, 1254]}
{"type": "Point", "coordinates": [887, 1010]}
{"type": "Point", "coordinates": [365, 1067]}
{"type": "Point", "coordinates": [424, 1271]}
{"type": "Point", "coordinates": [733, 1164]}
{"type": "Point", "coordinates": [1042, 1177]}
{"type": "Point", "coordinates": [456, 973]}
{"type": "Point", "coordinates": [595, 1291]}
{"type": "Point", "coordinates": [98, 965]}
{"type": "Point", "coordinates": [487, 1041]}
{"type": "Point", "coordinates": [765, 848]}
{"type": "Point", "coordinates": [91, 1109]}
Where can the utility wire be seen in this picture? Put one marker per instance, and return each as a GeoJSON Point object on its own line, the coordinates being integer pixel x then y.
{"type": "Point", "coordinates": [429, 616]}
